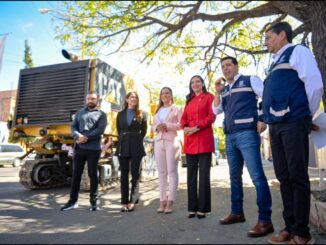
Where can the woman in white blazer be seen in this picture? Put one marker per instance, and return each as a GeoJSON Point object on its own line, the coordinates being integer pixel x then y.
{"type": "Point", "coordinates": [166, 122]}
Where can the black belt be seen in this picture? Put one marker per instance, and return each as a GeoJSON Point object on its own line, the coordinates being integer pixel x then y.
{"type": "Point", "coordinates": [130, 133]}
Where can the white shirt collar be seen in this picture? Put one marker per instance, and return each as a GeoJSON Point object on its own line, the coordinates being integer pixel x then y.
{"type": "Point", "coordinates": [236, 77]}
{"type": "Point", "coordinates": [281, 51]}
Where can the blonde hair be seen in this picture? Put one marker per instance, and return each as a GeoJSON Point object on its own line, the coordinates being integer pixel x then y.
{"type": "Point", "coordinates": [160, 103]}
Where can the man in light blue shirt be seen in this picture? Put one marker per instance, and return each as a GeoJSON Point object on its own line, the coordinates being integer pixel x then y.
{"type": "Point", "coordinates": [292, 93]}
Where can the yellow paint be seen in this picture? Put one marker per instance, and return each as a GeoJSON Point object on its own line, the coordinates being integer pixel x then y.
{"type": "Point", "coordinates": [92, 75]}
{"type": "Point", "coordinates": [52, 130]}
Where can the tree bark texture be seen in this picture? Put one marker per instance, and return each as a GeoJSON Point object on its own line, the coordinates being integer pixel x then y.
{"type": "Point", "coordinates": [317, 11]}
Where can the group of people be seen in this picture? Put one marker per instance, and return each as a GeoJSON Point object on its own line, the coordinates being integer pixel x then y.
{"type": "Point", "coordinates": [290, 96]}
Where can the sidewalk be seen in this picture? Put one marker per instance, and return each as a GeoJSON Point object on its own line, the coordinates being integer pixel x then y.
{"type": "Point", "coordinates": [33, 216]}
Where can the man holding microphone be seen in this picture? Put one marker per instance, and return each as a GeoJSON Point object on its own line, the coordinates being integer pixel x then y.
{"type": "Point", "coordinates": [238, 101]}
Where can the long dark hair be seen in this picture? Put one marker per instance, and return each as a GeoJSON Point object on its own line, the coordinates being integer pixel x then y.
{"type": "Point", "coordinates": [160, 103]}
{"type": "Point", "coordinates": [191, 92]}
{"type": "Point", "coordinates": [138, 113]}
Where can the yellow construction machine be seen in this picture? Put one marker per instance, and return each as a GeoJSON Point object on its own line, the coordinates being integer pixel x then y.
{"type": "Point", "coordinates": [47, 99]}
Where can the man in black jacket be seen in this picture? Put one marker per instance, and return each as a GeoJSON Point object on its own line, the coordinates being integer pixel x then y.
{"type": "Point", "coordinates": [87, 129]}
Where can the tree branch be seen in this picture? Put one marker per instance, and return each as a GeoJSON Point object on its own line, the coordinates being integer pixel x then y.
{"type": "Point", "coordinates": [302, 28]}
{"type": "Point", "coordinates": [251, 52]}
{"type": "Point", "coordinates": [122, 44]}
{"type": "Point", "coordinates": [241, 5]}
{"type": "Point", "coordinates": [260, 11]}
{"type": "Point", "coordinates": [267, 25]}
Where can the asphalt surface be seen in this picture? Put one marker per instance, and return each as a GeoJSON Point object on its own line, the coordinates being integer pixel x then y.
{"type": "Point", "coordinates": [34, 217]}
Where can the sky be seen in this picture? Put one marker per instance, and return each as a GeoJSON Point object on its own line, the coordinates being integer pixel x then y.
{"type": "Point", "coordinates": [23, 21]}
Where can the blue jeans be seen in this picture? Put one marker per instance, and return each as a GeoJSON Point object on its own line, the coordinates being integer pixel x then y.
{"type": "Point", "coordinates": [245, 146]}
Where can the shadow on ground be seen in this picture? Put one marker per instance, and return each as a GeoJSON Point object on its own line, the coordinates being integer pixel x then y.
{"type": "Point", "coordinates": [34, 217]}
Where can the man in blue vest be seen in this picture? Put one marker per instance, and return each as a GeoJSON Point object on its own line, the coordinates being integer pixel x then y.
{"type": "Point", "coordinates": [292, 93]}
{"type": "Point", "coordinates": [238, 101]}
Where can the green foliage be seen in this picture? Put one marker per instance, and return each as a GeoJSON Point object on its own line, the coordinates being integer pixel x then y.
{"type": "Point", "coordinates": [28, 56]}
{"type": "Point", "coordinates": [218, 131]}
{"type": "Point", "coordinates": [164, 31]}
{"type": "Point", "coordinates": [104, 21]}
{"type": "Point", "coordinates": [179, 101]}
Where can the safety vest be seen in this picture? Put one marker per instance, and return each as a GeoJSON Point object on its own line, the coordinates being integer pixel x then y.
{"type": "Point", "coordinates": [240, 106]}
{"type": "Point", "coordinates": [284, 96]}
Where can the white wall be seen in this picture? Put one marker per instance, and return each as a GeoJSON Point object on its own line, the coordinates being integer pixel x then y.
{"type": "Point", "coordinates": [4, 132]}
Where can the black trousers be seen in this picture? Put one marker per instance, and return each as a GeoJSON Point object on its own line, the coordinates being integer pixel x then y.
{"type": "Point", "coordinates": [127, 164]}
{"type": "Point", "coordinates": [80, 157]}
{"type": "Point", "coordinates": [202, 201]}
{"type": "Point", "coordinates": [290, 151]}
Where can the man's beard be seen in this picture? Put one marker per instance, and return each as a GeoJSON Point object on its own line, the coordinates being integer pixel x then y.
{"type": "Point", "coordinates": [91, 106]}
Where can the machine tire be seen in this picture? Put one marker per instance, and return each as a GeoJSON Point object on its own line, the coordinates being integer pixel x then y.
{"type": "Point", "coordinates": [17, 162]}
{"type": "Point", "coordinates": [28, 176]}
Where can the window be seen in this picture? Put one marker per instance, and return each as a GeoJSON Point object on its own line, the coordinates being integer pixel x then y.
{"type": "Point", "coordinates": [10, 148]}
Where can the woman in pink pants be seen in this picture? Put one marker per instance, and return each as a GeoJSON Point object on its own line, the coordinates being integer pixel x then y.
{"type": "Point", "coordinates": [166, 122]}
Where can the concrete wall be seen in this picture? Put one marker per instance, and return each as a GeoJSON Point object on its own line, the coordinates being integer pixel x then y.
{"type": "Point", "coordinates": [7, 104]}
{"type": "Point", "coordinates": [4, 132]}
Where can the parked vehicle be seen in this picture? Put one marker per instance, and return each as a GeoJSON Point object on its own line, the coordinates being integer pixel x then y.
{"type": "Point", "coordinates": [47, 99]}
{"type": "Point", "coordinates": [11, 154]}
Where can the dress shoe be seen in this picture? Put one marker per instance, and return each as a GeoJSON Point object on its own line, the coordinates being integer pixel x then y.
{"type": "Point", "coordinates": [301, 240]}
{"type": "Point", "coordinates": [131, 207]}
{"type": "Point", "coordinates": [233, 218]}
{"type": "Point", "coordinates": [124, 209]}
{"type": "Point", "coordinates": [261, 229]}
{"type": "Point", "coordinates": [168, 208]}
{"type": "Point", "coordinates": [201, 215]}
{"type": "Point", "coordinates": [282, 238]}
{"type": "Point", "coordinates": [162, 207]}
{"type": "Point", "coordinates": [191, 215]}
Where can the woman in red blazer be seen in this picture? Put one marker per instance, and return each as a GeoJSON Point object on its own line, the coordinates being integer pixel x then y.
{"type": "Point", "coordinates": [196, 121]}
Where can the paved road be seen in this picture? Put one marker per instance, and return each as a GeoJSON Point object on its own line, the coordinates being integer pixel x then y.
{"type": "Point", "coordinates": [33, 217]}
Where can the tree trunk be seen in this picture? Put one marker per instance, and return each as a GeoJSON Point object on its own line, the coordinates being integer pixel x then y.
{"type": "Point", "coordinates": [317, 11]}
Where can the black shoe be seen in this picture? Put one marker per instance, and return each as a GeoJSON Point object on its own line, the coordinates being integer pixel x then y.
{"type": "Point", "coordinates": [132, 208]}
{"type": "Point", "coordinates": [191, 215]}
{"type": "Point", "coordinates": [201, 216]}
{"type": "Point", "coordinates": [124, 209]}
{"type": "Point", "coordinates": [94, 205]}
{"type": "Point", "coordinates": [69, 205]}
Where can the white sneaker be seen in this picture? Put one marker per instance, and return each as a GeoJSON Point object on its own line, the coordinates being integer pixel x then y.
{"type": "Point", "coordinates": [69, 205]}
